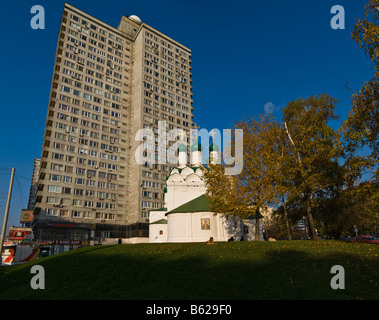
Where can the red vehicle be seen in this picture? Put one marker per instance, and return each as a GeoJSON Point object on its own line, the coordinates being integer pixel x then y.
{"type": "Point", "coordinates": [368, 239]}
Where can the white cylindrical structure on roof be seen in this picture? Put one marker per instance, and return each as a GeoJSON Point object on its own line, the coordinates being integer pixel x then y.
{"type": "Point", "coordinates": [196, 155]}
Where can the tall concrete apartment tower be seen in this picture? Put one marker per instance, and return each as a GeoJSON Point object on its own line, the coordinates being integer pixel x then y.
{"type": "Point", "coordinates": [34, 184]}
{"type": "Point", "coordinates": [107, 85]}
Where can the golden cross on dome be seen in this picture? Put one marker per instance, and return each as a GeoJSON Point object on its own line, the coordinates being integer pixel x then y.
{"type": "Point", "coordinates": [195, 132]}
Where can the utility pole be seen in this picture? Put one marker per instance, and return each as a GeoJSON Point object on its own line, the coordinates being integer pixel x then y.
{"type": "Point", "coordinates": [6, 214]}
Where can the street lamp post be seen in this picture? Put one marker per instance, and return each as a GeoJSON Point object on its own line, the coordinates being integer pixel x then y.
{"type": "Point", "coordinates": [6, 213]}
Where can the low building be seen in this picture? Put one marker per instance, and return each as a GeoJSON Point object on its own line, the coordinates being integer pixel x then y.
{"type": "Point", "coordinates": [187, 216]}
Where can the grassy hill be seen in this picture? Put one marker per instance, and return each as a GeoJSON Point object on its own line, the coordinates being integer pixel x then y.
{"type": "Point", "coordinates": [234, 270]}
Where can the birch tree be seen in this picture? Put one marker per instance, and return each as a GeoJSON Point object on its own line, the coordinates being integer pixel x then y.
{"type": "Point", "coordinates": [315, 150]}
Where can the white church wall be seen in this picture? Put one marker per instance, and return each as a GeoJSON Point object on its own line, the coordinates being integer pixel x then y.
{"type": "Point", "coordinates": [204, 226]}
{"type": "Point", "coordinates": [157, 233]}
{"type": "Point", "coordinates": [156, 215]}
{"type": "Point", "coordinates": [179, 227]}
{"type": "Point", "coordinates": [186, 172]}
{"type": "Point", "coordinates": [200, 226]}
{"type": "Point", "coordinates": [180, 194]}
{"type": "Point", "coordinates": [194, 227]}
{"type": "Point", "coordinates": [200, 172]}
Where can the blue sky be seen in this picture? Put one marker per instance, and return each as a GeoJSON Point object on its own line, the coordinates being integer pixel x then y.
{"type": "Point", "coordinates": [245, 54]}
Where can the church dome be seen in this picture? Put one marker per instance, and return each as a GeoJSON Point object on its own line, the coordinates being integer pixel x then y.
{"type": "Point", "coordinates": [196, 146]}
{"type": "Point", "coordinates": [213, 147]}
{"type": "Point", "coordinates": [182, 148]}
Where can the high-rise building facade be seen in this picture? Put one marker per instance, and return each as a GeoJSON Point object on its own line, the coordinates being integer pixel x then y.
{"type": "Point", "coordinates": [108, 84]}
{"type": "Point", "coordinates": [34, 184]}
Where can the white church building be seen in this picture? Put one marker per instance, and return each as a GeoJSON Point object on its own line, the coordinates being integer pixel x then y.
{"type": "Point", "coordinates": [186, 216]}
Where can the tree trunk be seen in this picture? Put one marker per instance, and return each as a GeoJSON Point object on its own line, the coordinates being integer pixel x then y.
{"type": "Point", "coordinates": [311, 224]}
{"type": "Point", "coordinates": [257, 225]}
{"type": "Point", "coordinates": [287, 223]}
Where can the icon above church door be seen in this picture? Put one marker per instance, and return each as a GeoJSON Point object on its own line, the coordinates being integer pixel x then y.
{"type": "Point", "coordinates": [205, 224]}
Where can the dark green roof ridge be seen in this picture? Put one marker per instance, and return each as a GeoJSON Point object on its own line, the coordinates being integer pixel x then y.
{"type": "Point", "coordinates": [161, 209]}
{"type": "Point", "coordinates": [199, 204]}
{"type": "Point", "coordinates": [161, 221]}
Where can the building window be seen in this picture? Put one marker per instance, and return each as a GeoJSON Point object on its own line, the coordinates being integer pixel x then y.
{"type": "Point", "coordinates": [56, 189]}
{"type": "Point", "coordinates": [51, 212]}
{"type": "Point", "coordinates": [64, 213]}
{"type": "Point", "coordinates": [76, 214]}
{"type": "Point", "coordinates": [87, 215]}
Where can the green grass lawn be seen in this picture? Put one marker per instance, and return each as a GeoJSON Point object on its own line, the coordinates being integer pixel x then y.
{"type": "Point", "coordinates": [232, 270]}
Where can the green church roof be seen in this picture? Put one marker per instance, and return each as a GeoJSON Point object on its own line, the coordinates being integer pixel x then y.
{"type": "Point", "coordinates": [182, 148]}
{"type": "Point", "coordinates": [196, 146]}
{"type": "Point", "coordinates": [200, 204]}
{"type": "Point", "coordinates": [161, 209]}
{"type": "Point", "coordinates": [213, 147]}
{"type": "Point", "coordinates": [162, 221]}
